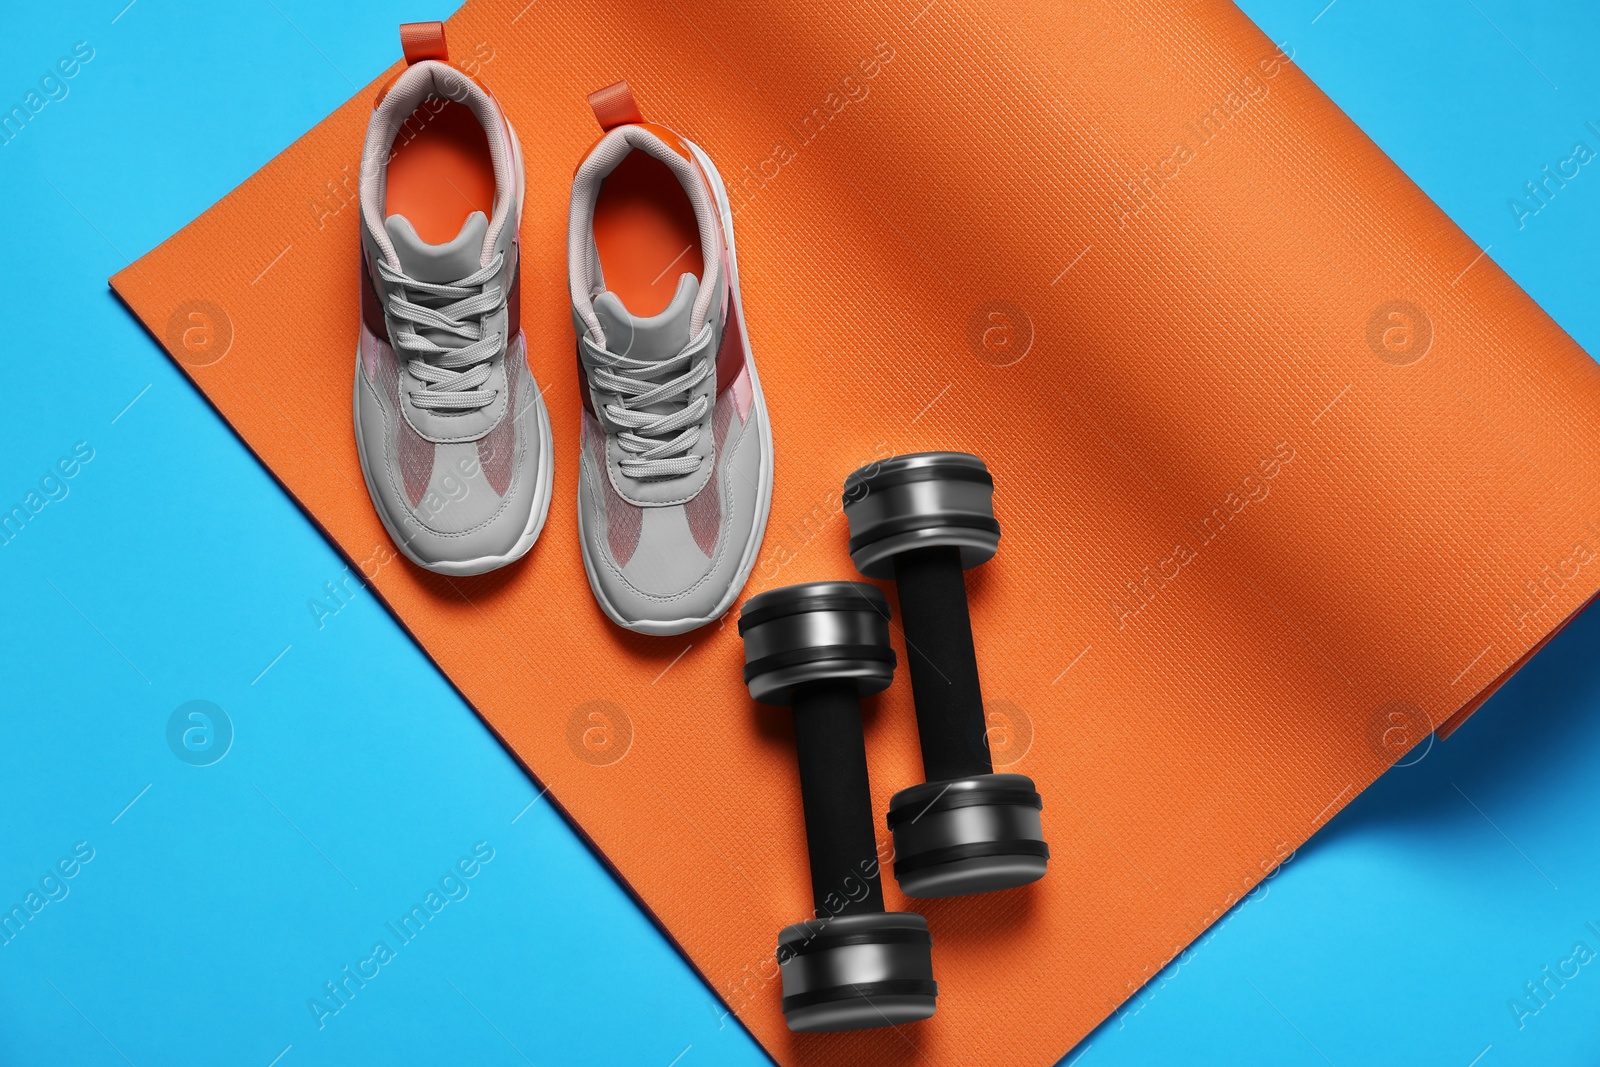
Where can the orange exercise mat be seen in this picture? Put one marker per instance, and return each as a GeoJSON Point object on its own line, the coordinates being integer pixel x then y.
{"type": "Point", "coordinates": [1288, 470]}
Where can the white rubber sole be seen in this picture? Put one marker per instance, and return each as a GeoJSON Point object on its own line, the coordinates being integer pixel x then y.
{"type": "Point", "coordinates": [544, 481]}
{"type": "Point", "coordinates": [758, 531]}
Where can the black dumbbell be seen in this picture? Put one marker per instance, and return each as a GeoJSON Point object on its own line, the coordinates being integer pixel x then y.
{"type": "Point", "coordinates": [819, 648]}
{"type": "Point", "coordinates": [922, 519]}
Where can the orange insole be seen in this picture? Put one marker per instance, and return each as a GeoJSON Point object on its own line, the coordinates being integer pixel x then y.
{"type": "Point", "coordinates": [442, 174]}
{"type": "Point", "coordinates": [645, 231]}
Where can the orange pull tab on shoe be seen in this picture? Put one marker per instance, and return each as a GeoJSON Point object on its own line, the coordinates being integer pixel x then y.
{"type": "Point", "coordinates": [614, 106]}
{"type": "Point", "coordinates": [423, 40]}
{"type": "Point", "coordinates": [419, 41]}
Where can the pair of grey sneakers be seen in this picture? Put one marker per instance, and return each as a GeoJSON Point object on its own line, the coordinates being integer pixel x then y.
{"type": "Point", "coordinates": [675, 456]}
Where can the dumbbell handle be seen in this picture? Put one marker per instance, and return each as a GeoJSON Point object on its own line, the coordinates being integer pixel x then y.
{"type": "Point", "coordinates": [944, 665]}
{"type": "Point", "coordinates": [837, 798]}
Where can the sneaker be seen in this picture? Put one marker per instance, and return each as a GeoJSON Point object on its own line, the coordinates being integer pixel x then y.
{"type": "Point", "coordinates": [452, 433]}
{"type": "Point", "coordinates": [676, 464]}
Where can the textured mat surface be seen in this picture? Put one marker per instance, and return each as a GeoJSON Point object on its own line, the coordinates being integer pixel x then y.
{"type": "Point", "coordinates": [1287, 471]}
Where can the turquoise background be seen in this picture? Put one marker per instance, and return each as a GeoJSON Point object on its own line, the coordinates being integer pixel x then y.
{"type": "Point", "coordinates": [219, 899]}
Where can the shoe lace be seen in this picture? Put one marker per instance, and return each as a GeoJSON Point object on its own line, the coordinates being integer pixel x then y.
{"type": "Point", "coordinates": [657, 443]}
{"type": "Point", "coordinates": [453, 372]}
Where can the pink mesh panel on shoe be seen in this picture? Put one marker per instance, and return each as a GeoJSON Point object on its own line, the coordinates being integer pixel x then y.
{"type": "Point", "coordinates": [624, 521]}
{"type": "Point", "coordinates": [743, 393]}
{"type": "Point", "coordinates": [415, 452]}
{"type": "Point", "coordinates": [369, 354]}
{"type": "Point", "coordinates": [730, 354]}
{"type": "Point", "coordinates": [498, 447]}
{"type": "Point", "coordinates": [704, 512]}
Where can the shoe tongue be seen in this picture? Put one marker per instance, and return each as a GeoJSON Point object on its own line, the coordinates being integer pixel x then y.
{"type": "Point", "coordinates": [653, 337]}
{"type": "Point", "coordinates": [450, 262]}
